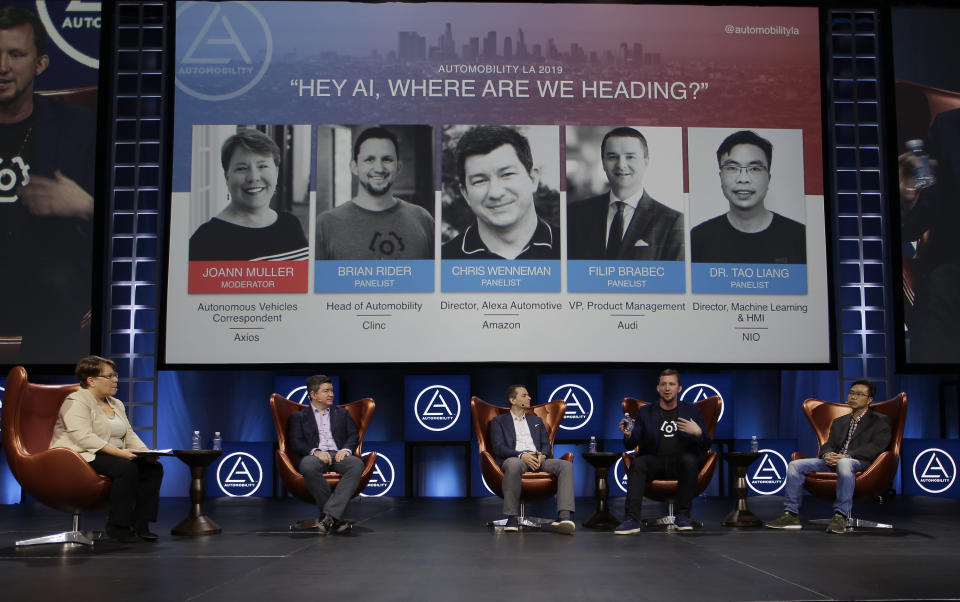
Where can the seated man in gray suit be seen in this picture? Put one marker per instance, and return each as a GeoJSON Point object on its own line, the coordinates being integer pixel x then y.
{"type": "Point", "coordinates": [855, 441]}
{"type": "Point", "coordinates": [625, 223]}
{"type": "Point", "coordinates": [521, 444]}
{"type": "Point", "coordinates": [325, 437]}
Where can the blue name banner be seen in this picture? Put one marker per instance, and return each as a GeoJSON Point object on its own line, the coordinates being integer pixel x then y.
{"type": "Point", "coordinates": [929, 467]}
{"type": "Point", "coordinates": [244, 470]}
{"type": "Point", "coordinates": [437, 408]}
{"type": "Point", "coordinates": [625, 276]}
{"type": "Point", "coordinates": [750, 278]}
{"type": "Point", "coordinates": [388, 478]}
{"type": "Point", "coordinates": [499, 275]}
{"type": "Point", "coordinates": [583, 393]}
{"type": "Point", "coordinates": [409, 276]}
{"type": "Point", "coordinates": [294, 388]}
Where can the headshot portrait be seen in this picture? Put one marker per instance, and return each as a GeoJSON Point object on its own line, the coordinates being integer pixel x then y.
{"type": "Point", "coordinates": [746, 207]}
{"type": "Point", "coordinates": [375, 192]}
{"type": "Point", "coordinates": [501, 192]}
{"type": "Point", "coordinates": [624, 193]}
{"type": "Point", "coordinates": [250, 193]}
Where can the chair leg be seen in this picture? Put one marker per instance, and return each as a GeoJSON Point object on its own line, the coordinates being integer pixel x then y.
{"type": "Point", "coordinates": [524, 521]}
{"type": "Point", "coordinates": [663, 521]}
{"type": "Point", "coordinates": [855, 523]}
{"type": "Point", "coordinates": [74, 536]}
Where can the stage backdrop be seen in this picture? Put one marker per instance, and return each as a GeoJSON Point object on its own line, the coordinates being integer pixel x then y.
{"type": "Point", "coordinates": [278, 256]}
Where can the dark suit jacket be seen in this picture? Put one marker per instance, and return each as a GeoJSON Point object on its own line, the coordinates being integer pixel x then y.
{"type": "Point", "coordinates": [871, 438]}
{"type": "Point", "coordinates": [646, 430]}
{"type": "Point", "coordinates": [303, 435]}
{"type": "Point", "coordinates": [657, 225]}
{"type": "Point", "coordinates": [503, 436]}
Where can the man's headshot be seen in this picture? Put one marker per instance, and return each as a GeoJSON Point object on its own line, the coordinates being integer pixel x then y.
{"type": "Point", "coordinates": [387, 216]}
{"type": "Point", "coordinates": [748, 231]}
{"type": "Point", "coordinates": [497, 179]}
{"type": "Point", "coordinates": [623, 221]}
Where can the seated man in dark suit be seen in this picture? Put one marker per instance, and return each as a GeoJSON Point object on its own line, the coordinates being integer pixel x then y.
{"type": "Point", "coordinates": [625, 223]}
{"type": "Point", "coordinates": [521, 444]}
{"type": "Point", "coordinates": [670, 438]}
{"type": "Point", "coordinates": [855, 441]}
{"type": "Point", "coordinates": [325, 437]}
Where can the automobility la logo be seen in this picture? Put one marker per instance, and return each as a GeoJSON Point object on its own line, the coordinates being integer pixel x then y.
{"type": "Point", "coordinates": [437, 408]}
{"type": "Point", "coordinates": [934, 470]}
{"type": "Point", "coordinates": [223, 49]}
{"type": "Point", "coordinates": [701, 391]}
{"type": "Point", "coordinates": [579, 405]}
{"type": "Point", "coordinates": [239, 474]}
{"type": "Point", "coordinates": [770, 475]}
{"type": "Point", "coordinates": [299, 395]}
{"type": "Point", "coordinates": [74, 27]}
{"type": "Point", "coordinates": [620, 473]}
{"type": "Point", "coordinates": [382, 477]}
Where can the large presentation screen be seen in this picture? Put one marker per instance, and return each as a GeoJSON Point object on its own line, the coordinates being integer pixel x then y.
{"type": "Point", "coordinates": [454, 182]}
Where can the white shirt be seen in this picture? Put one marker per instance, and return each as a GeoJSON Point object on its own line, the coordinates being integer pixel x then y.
{"type": "Point", "coordinates": [629, 206]}
{"type": "Point", "coordinates": [522, 429]}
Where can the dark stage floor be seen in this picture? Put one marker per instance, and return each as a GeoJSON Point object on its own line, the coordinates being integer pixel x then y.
{"type": "Point", "coordinates": [432, 549]}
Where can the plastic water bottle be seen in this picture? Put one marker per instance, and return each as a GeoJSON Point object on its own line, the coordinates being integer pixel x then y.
{"type": "Point", "coordinates": [217, 441]}
{"type": "Point", "coordinates": [593, 445]}
{"type": "Point", "coordinates": [754, 444]}
{"type": "Point", "coordinates": [196, 440]}
{"type": "Point", "coordinates": [629, 419]}
{"type": "Point", "coordinates": [923, 176]}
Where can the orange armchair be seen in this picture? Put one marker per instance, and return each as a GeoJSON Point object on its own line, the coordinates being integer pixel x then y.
{"type": "Point", "coordinates": [57, 477]}
{"type": "Point", "coordinates": [876, 479]}
{"type": "Point", "coordinates": [665, 490]}
{"type": "Point", "coordinates": [534, 486]}
{"type": "Point", "coordinates": [282, 409]}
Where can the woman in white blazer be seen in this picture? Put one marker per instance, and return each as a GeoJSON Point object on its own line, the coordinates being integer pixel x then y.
{"type": "Point", "coordinates": [94, 424]}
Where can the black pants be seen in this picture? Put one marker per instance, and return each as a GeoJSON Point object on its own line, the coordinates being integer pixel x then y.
{"type": "Point", "coordinates": [135, 490]}
{"type": "Point", "coordinates": [683, 467]}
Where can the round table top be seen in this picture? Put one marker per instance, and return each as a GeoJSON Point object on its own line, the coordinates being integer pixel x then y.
{"type": "Point", "coordinates": [601, 459]}
{"type": "Point", "coordinates": [745, 458]}
{"type": "Point", "coordinates": [198, 457]}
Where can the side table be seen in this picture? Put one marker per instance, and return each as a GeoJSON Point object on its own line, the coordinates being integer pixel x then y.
{"type": "Point", "coordinates": [741, 516]}
{"type": "Point", "coordinates": [197, 523]}
{"type": "Point", "coordinates": [602, 518]}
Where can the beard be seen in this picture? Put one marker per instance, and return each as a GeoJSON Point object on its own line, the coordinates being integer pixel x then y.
{"type": "Point", "coordinates": [377, 189]}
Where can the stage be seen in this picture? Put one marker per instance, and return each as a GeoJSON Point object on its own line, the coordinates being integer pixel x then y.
{"type": "Point", "coordinates": [440, 549]}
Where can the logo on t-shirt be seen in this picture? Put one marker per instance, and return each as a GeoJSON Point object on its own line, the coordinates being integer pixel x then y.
{"type": "Point", "coordinates": [668, 428]}
{"type": "Point", "coordinates": [386, 244]}
{"type": "Point", "coordinates": [14, 173]}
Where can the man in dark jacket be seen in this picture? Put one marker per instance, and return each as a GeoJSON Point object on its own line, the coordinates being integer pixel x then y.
{"type": "Point", "coordinates": [855, 441]}
{"type": "Point", "coordinates": [670, 439]}
{"type": "Point", "coordinates": [325, 437]}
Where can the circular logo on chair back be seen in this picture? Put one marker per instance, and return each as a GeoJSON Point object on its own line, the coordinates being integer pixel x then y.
{"type": "Point", "coordinates": [620, 473]}
{"type": "Point", "coordinates": [224, 49]}
{"type": "Point", "coordinates": [934, 470]}
{"type": "Point", "coordinates": [699, 391]}
{"type": "Point", "coordinates": [437, 408]}
{"type": "Point", "coordinates": [239, 474]}
{"type": "Point", "coordinates": [381, 479]}
{"type": "Point", "coordinates": [74, 27]}
{"type": "Point", "coordinates": [299, 395]}
{"type": "Point", "coordinates": [579, 406]}
{"type": "Point", "coordinates": [770, 474]}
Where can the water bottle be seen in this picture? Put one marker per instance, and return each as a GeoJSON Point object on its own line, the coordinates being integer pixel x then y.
{"type": "Point", "coordinates": [217, 441]}
{"type": "Point", "coordinates": [923, 176]}
{"type": "Point", "coordinates": [754, 444]}
{"type": "Point", "coordinates": [593, 445]}
{"type": "Point", "coordinates": [196, 440]}
{"type": "Point", "coordinates": [629, 419]}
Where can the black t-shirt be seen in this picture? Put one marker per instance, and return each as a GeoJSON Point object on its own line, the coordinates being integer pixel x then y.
{"type": "Point", "coordinates": [717, 241]}
{"type": "Point", "coordinates": [16, 152]}
{"type": "Point", "coordinates": [668, 443]}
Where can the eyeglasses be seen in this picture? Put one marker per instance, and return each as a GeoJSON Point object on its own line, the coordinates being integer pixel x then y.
{"type": "Point", "coordinates": [857, 394]}
{"type": "Point", "coordinates": [113, 376]}
{"type": "Point", "coordinates": [735, 169]}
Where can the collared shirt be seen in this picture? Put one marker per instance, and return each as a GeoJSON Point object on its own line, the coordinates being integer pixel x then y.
{"type": "Point", "coordinates": [326, 442]}
{"type": "Point", "coordinates": [468, 245]}
{"type": "Point", "coordinates": [629, 206]}
{"type": "Point", "coordinates": [854, 422]}
{"type": "Point", "coordinates": [522, 429]}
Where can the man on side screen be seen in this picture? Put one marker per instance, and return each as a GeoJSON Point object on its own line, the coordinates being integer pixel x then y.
{"type": "Point", "coordinates": [670, 439]}
{"type": "Point", "coordinates": [325, 436]}
{"type": "Point", "coordinates": [521, 444]}
{"type": "Point", "coordinates": [855, 441]}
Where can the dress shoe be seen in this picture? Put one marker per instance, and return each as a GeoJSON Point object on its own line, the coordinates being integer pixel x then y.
{"type": "Point", "coordinates": [146, 534]}
{"type": "Point", "coordinates": [312, 525]}
{"type": "Point", "coordinates": [122, 534]}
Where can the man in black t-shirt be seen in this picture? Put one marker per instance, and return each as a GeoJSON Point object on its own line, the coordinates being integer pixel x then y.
{"type": "Point", "coordinates": [670, 438]}
{"type": "Point", "coordinates": [46, 202]}
{"type": "Point", "coordinates": [748, 232]}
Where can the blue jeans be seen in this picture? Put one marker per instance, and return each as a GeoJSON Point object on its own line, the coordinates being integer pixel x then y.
{"type": "Point", "coordinates": [797, 471]}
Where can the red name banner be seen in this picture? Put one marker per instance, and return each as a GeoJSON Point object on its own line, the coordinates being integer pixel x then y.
{"type": "Point", "coordinates": [232, 277]}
